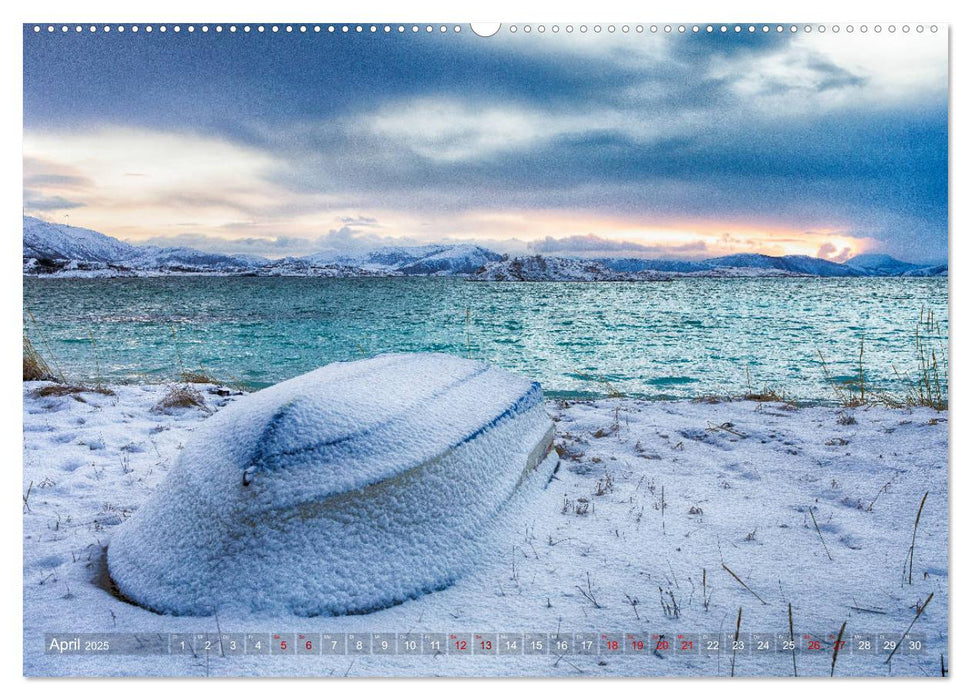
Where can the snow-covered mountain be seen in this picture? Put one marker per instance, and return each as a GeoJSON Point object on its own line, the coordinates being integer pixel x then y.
{"type": "Point", "coordinates": [878, 263]}
{"type": "Point", "coordinates": [887, 266]}
{"type": "Point", "coordinates": [47, 241]}
{"type": "Point", "coordinates": [453, 260]}
{"type": "Point", "coordinates": [71, 251]}
{"type": "Point", "coordinates": [868, 265]}
{"type": "Point", "coordinates": [799, 264]}
{"type": "Point", "coordinates": [930, 271]}
{"type": "Point", "coordinates": [415, 260]}
{"type": "Point", "coordinates": [305, 267]}
{"type": "Point", "coordinates": [539, 268]}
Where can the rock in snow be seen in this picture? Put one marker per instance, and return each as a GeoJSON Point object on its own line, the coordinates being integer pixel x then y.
{"type": "Point", "coordinates": [347, 489]}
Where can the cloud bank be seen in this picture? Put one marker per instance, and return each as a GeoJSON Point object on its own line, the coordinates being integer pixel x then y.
{"type": "Point", "coordinates": [653, 145]}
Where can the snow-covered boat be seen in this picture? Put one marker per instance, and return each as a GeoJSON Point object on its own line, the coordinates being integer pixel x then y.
{"type": "Point", "coordinates": [347, 489]}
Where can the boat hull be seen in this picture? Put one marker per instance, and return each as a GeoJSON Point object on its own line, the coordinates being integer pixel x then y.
{"type": "Point", "coordinates": [261, 527]}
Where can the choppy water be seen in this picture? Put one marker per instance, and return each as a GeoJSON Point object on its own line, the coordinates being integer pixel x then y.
{"type": "Point", "coordinates": [684, 338]}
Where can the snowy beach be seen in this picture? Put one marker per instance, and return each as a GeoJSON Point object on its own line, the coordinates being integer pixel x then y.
{"type": "Point", "coordinates": [662, 518]}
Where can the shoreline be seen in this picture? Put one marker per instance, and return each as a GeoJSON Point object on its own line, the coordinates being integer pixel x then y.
{"type": "Point", "coordinates": [767, 396]}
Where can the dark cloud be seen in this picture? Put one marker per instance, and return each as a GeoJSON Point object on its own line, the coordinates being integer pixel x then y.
{"type": "Point", "coordinates": [591, 245]}
{"type": "Point", "coordinates": [343, 240]}
{"type": "Point", "coordinates": [38, 203]}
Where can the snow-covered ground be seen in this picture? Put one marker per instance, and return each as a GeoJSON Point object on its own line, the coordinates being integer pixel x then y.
{"type": "Point", "coordinates": [652, 506]}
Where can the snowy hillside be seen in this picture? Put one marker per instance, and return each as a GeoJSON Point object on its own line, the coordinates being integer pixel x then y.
{"type": "Point", "coordinates": [453, 260]}
{"type": "Point", "coordinates": [148, 257]}
{"type": "Point", "coordinates": [415, 260]}
{"type": "Point", "coordinates": [869, 265]}
{"type": "Point", "coordinates": [538, 268]}
{"type": "Point", "coordinates": [932, 271]}
{"type": "Point", "coordinates": [43, 240]}
{"type": "Point", "coordinates": [800, 264]}
{"type": "Point", "coordinates": [887, 266]}
{"type": "Point", "coordinates": [876, 263]}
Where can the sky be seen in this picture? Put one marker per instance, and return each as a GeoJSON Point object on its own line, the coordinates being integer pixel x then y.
{"type": "Point", "coordinates": [659, 145]}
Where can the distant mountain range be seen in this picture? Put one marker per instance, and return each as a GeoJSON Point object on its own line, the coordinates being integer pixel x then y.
{"type": "Point", "coordinates": [67, 251]}
{"type": "Point", "coordinates": [537, 268]}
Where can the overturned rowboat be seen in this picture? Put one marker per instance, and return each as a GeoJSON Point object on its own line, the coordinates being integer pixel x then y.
{"type": "Point", "coordinates": [345, 490]}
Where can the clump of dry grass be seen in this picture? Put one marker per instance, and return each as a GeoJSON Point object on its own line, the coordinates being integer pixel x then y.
{"type": "Point", "coordinates": [712, 399]}
{"type": "Point", "coordinates": [36, 368]}
{"type": "Point", "coordinates": [71, 390]}
{"type": "Point", "coordinates": [581, 506]}
{"type": "Point", "coordinates": [180, 397]}
{"type": "Point", "coordinates": [764, 395]}
{"type": "Point", "coordinates": [198, 377]}
{"type": "Point", "coordinates": [187, 376]}
{"type": "Point", "coordinates": [929, 388]}
{"type": "Point", "coordinates": [606, 388]}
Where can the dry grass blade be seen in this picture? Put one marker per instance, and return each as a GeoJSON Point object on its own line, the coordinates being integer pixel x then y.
{"type": "Point", "coordinates": [30, 487]}
{"type": "Point", "coordinates": [792, 642]}
{"type": "Point", "coordinates": [744, 585]}
{"type": "Point", "coordinates": [738, 627]}
{"type": "Point", "coordinates": [840, 396]}
{"type": "Point", "coordinates": [836, 649]}
{"type": "Point", "coordinates": [920, 611]}
{"type": "Point", "coordinates": [818, 532]}
{"type": "Point", "coordinates": [913, 541]}
{"type": "Point", "coordinates": [97, 361]}
{"type": "Point", "coordinates": [588, 594]}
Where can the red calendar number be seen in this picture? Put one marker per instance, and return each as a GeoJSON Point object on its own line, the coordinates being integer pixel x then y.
{"type": "Point", "coordinates": [687, 646]}
{"type": "Point", "coordinates": [613, 645]}
{"type": "Point", "coordinates": [460, 644]}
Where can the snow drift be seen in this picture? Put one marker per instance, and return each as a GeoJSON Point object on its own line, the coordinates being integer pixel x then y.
{"type": "Point", "coordinates": [347, 489]}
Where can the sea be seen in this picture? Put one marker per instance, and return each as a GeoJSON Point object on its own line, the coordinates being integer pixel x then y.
{"type": "Point", "coordinates": [685, 338]}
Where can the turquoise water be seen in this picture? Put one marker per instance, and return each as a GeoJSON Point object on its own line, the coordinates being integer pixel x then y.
{"type": "Point", "coordinates": [677, 339]}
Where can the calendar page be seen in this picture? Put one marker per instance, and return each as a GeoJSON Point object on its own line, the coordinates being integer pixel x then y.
{"type": "Point", "coordinates": [513, 350]}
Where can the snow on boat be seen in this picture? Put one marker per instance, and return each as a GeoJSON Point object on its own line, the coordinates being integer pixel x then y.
{"type": "Point", "coordinates": [348, 489]}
